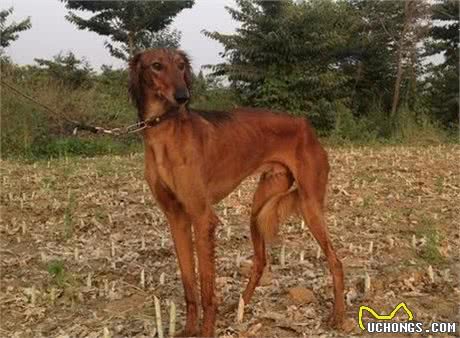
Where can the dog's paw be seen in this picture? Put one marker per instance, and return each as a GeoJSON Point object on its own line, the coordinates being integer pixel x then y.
{"type": "Point", "coordinates": [335, 321]}
{"type": "Point", "coordinates": [186, 334]}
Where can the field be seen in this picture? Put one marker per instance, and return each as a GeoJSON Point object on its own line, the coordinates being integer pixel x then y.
{"type": "Point", "coordinates": [85, 250]}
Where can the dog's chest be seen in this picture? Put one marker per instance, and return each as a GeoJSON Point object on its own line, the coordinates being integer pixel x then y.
{"type": "Point", "coordinates": [167, 159]}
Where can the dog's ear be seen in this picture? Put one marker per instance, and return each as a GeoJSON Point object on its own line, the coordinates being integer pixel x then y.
{"type": "Point", "coordinates": [134, 88]}
{"type": "Point", "coordinates": [188, 69]}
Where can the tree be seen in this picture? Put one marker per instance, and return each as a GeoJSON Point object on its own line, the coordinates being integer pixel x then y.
{"type": "Point", "coordinates": [386, 63]}
{"type": "Point", "coordinates": [372, 64]}
{"type": "Point", "coordinates": [411, 33]}
{"type": "Point", "coordinates": [9, 33]}
{"type": "Point", "coordinates": [130, 25]}
{"type": "Point", "coordinates": [443, 80]}
{"type": "Point", "coordinates": [166, 38]}
{"type": "Point", "coordinates": [287, 55]}
{"type": "Point", "coordinates": [445, 32]}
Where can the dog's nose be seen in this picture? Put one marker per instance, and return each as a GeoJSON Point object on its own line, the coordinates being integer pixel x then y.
{"type": "Point", "coordinates": [182, 95]}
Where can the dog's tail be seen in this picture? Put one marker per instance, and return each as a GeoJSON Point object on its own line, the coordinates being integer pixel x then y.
{"type": "Point", "coordinates": [275, 211]}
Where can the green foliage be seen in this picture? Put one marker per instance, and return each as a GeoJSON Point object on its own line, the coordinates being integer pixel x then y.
{"type": "Point", "coordinates": [166, 38]}
{"type": "Point", "coordinates": [445, 31]}
{"type": "Point", "coordinates": [209, 93]}
{"type": "Point", "coordinates": [377, 127]}
{"type": "Point", "coordinates": [30, 131]}
{"type": "Point", "coordinates": [430, 250]}
{"type": "Point", "coordinates": [130, 25]}
{"type": "Point", "coordinates": [57, 271]}
{"type": "Point", "coordinates": [9, 32]}
{"type": "Point", "coordinates": [77, 146]}
{"type": "Point", "coordinates": [416, 128]}
{"type": "Point", "coordinates": [442, 83]}
{"type": "Point", "coordinates": [348, 128]}
{"type": "Point", "coordinates": [371, 61]}
{"type": "Point", "coordinates": [67, 69]}
{"type": "Point", "coordinates": [286, 56]}
{"type": "Point", "coordinates": [333, 61]}
{"type": "Point", "coordinates": [443, 91]}
{"type": "Point", "coordinates": [338, 62]}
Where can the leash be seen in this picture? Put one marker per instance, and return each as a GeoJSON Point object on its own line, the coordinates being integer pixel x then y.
{"type": "Point", "coordinates": [133, 128]}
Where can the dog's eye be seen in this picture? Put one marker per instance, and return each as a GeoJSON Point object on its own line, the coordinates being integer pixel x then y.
{"type": "Point", "coordinates": [181, 66]}
{"type": "Point", "coordinates": [157, 66]}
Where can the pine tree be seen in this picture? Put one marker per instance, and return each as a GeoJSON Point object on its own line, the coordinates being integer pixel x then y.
{"type": "Point", "coordinates": [373, 68]}
{"type": "Point", "coordinates": [443, 82]}
{"type": "Point", "coordinates": [130, 25]}
{"type": "Point", "coordinates": [286, 55]}
{"type": "Point", "coordinates": [412, 31]}
{"type": "Point", "coordinates": [445, 32]}
{"type": "Point", "coordinates": [9, 33]}
{"type": "Point", "coordinates": [387, 67]}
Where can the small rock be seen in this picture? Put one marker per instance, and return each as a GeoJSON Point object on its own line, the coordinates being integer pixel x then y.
{"type": "Point", "coordinates": [378, 285]}
{"type": "Point", "coordinates": [266, 278]}
{"type": "Point", "coordinates": [349, 324]}
{"type": "Point", "coordinates": [245, 268]}
{"type": "Point", "coordinates": [117, 237]}
{"type": "Point", "coordinates": [300, 295]}
{"type": "Point", "coordinates": [252, 331]}
{"type": "Point", "coordinates": [351, 296]}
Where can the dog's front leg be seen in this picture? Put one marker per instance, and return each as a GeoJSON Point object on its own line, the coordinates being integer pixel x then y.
{"type": "Point", "coordinates": [192, 194]}
{"type": "Point", "coordinates": [204, 228]}
{"type": "Point", "coordinates": [181, 230]}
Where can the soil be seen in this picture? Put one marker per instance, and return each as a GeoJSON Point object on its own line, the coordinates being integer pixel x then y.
{"type": "Point", "coordinates": [85, 250]}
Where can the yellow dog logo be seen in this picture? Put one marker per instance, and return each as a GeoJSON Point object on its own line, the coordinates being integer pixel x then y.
{"type": "Point", "coordinates": [382, 317]}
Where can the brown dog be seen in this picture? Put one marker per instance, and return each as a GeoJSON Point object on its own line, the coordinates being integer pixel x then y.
{"type": "Point", "coordinates": [194, 159]}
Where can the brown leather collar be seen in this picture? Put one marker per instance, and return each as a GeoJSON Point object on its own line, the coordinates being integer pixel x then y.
{"type": "Point", "coordinates": [156, 120]}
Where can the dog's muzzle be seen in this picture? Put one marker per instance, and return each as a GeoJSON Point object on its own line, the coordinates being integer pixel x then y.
{"type": "Point", "coordinates": [182, 95]}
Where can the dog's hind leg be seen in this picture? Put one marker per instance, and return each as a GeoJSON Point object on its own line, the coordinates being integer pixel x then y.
{"type": "Point", "coordinates": [270, 185]}
{"type": "Point", "coordinates": [311, 178]}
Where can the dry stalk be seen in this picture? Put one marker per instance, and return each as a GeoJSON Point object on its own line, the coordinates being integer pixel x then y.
{"type": "Point", "coordinates": [158, 317]}
{"type": "Point", "coordinates": [240, 311]}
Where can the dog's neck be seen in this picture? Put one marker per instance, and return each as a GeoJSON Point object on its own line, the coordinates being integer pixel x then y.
{"type": "Point", "coordinates": [155, 108]}
{"type": "Point", "coordinates": [152, 109]}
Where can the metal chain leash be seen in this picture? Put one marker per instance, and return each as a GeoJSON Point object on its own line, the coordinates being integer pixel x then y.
{"type": "Point", "coordinates": [133, 128]}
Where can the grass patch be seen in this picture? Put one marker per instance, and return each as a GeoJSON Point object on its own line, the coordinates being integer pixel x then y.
{"type": "Point", "coordinates": [57, 271]}
{"type": "Point", "coordinates": [368, 202]}
{"type": "Point", "coordinates": [429, 252]}
{"type": "Point", "coordinates": [439, 184]}
{"type": "Point", "coordinates": [89, 147]}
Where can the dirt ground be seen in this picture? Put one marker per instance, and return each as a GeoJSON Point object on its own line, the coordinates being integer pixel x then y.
{"type": "Point", "coordinates": [85, 250]}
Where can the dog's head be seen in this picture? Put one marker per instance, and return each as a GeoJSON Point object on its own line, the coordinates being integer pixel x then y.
{"type": "Point", "coordinates": [160, 75]}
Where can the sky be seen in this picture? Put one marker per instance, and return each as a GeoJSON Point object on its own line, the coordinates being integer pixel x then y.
{"type": "Point", "coordinates": [51, 33]}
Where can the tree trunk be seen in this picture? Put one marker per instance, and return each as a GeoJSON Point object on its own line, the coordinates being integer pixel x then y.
{"type": "Point", "coordinates": [412, 92]}
{"type": "Point", "coordinates": [358, 76]}
{"type": "Point", "coordinates": [131, 44]}
{"type": "Point", "coordinates": [400, 57]}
